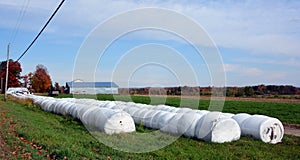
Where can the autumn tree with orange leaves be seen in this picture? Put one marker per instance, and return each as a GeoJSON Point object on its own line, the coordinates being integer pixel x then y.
{"type": "Point", "coordinates": [13, 74]}
{"type": "Point", "coordinates": [41, 80]}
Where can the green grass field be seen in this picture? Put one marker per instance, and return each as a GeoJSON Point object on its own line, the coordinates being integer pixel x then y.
{"type": "Point", "coordinates": [64, 137]}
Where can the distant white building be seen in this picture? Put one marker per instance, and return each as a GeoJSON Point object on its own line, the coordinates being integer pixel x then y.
{"type": "Point", "coordinates": [92, 88]}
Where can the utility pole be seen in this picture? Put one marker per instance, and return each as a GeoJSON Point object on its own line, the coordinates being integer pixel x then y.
{"type": "Point", "coordinates": [1, 84]}
{"type": "Point", "coordinates": [6, 78]}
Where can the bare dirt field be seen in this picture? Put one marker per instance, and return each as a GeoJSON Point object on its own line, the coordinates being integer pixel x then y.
{"type": "Point", "coordinates": [292, 129]}
{"type": "Point", "coordinates": [264, 99]}
{"type": "Point", "coordinates": [238, 98]}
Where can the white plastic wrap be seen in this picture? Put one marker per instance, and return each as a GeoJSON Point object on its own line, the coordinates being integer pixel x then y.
{"type": "Point", "coordinates": [107, 120]}
{"type": "Point", "coordinates": [147, 119]}
{"type": "Point", "coordinates": [138, 115]}
{"type": "Point", "coordinates": [267, 129]}
{"type": "Point", "coordinates": [155, 121]}
{"type": "Point", "coordinates": [187, 124]}
{"type": "Point", "coordinates": [239, 118]}
{"type": "Point", "coordinates": [229, 115]}
{"type": "Point", "coordinates": [164, 120]}
{"type": "Point", "coordinates": [215, 128]}
{"type": "Point", "coordinates": [131, 110]}
{"type": "Point", "coordinates": [171, 125]}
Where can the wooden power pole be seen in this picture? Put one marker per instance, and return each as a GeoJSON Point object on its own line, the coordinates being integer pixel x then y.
{"type": "Point", "coordinates": [6, 78]}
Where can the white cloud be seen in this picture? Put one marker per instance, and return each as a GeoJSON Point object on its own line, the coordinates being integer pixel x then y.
{"type": "Point", "coordinates": [231, 67]}
{"type": "Point", "coordinates": [253, 71]}
{"type": "Point", "coordinates": [238, 74]}
{"type": "Point", "coordinates": [261, 28]}
{"type": "Point", "coordinates": [289, 62]}
{"type": "Point", "coordinates": [243, 70]}
{"type": "Point", "coordinates": [258, 26]}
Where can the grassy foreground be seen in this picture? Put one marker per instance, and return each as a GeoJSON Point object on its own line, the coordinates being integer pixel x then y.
{"type": "Point", "coordinates": [34, 133]}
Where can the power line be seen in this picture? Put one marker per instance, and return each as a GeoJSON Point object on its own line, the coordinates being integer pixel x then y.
{"type": "Point", "coordinates": [19, 20]}
{"type": "Point", "coordinates": [41, 30]}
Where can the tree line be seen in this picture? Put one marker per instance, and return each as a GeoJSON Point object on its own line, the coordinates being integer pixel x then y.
{"type": "Point", "coordinates": [40, 81]}
{"type": "Point", "coordinates": [247, 91]}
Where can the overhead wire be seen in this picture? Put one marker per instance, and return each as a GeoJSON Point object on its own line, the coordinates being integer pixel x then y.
{"type": "Point", "coordinates": [19, 21]}
{"type": "Point", "coordinates": [53, 14]}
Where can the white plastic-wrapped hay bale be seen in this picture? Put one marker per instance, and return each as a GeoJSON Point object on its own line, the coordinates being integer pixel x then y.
{"type": "Point", "coordinates": [37, 100]}
{"type": "Point", "coordinates": [131, 110]}
{"type": "Point", "coordinates": [61, 107]}
{"type": "Point", "coordinates": [66, 107]}
{"type": "Point", "coordinates": [144, 115]}
{"type": "Point", "coordinates": [173, 109]}
{"type": "Point", "coordinates": [154, 122]}
{"type": "Point", "coordinates": [157, 107]}
{"type": "Point", "coordinates": [201, 112]}
{"type": "Point", "coordinates": [267, 129]}
{"type": "Point", "coordinates": [19, 95]}
{"type": "Point", "coordinates": [14, 90]}
{"type": "Point", "coordinates": [53, 107]}
{"type": "Point", "coordinates": [69, 99]}
{"type": "Point", "coordinates": [169, 109]}
{"type": "Point", "coordinates": [187, 123]}
{"type": "Point", "coordinates": [230, 115]}
{"type": "Point", "coordinates": [57, 106]}
{"type": "Point", "coordinates": [119, 105]}
{"type": "Point", "coordinates": [46, 104]}
{"type": "Point", "coordinates": [160, 107]}
{"type": "Point", "coordinates": [212, 127]}
{"type": "Point", "coordinates": [183, 110]}
{"type": "Point", "coordinates": [240, 117]}
{"type": "Point", "coordinates": [141, 116]}
{"type": "Point", "coordinates": [164, 120]}
{"type": "Point", "coordinates": [107, 121]}
{"type": "Point", "coordinates": [88, 102]}
{"type": "Point", "coordinates": [138, 115]}
{"type": "Point", "coordinates": [147, 119]}
{"type": "Point", "coordinates": [73, 110]}
{"type": "Point", "coordinates": [107, 104]}
{"type": "Point", "coordinates": [81, 109]}
{"type": "Point", "coordinates": [170, 125]}
{"type": "Point", "coordinates": [132, 104]}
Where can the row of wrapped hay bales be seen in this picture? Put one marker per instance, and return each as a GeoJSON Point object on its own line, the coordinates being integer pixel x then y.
{"type": "Point", "coordinates": [205, 125]}
{"type": "Point", "coordinates": [177, 121]}
{"type": "Point", "coordinates": [115, 117]}
{"type": "Point", "coordinates": [93, 117]}
{"type": "Point", "coordinates": [201, 124]}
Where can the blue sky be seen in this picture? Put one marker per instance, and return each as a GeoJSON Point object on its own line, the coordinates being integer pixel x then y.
{"type": "Point", "coordinates": [258, 41]}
